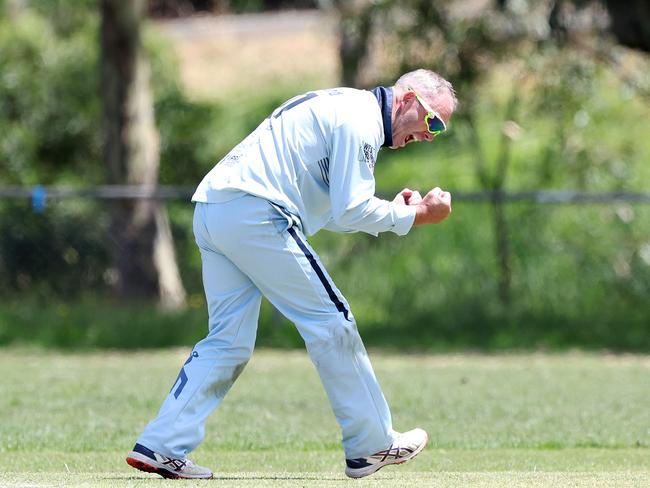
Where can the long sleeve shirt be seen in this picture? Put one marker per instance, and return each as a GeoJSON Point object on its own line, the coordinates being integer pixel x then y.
{"type": "Point", "coordinates": [314, 157]}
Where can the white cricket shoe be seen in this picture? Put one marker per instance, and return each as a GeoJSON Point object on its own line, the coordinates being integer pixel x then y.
{"type": "Point", "coordinates": [405, 447]}
{"type": "Point", "coordinates": [145, 459]}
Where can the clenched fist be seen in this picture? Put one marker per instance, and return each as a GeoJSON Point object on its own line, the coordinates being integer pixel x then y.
{"type": "Point", "coordinates": [408, 197]}
{"type": "Point", "coordinates": [434, 207]}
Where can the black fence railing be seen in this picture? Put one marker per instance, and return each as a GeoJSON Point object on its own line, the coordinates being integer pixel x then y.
{"type": "Point", "coordinates": [39, 195]}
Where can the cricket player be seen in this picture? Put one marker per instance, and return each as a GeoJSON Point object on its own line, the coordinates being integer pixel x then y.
{"type": "Point", "coordinates": [308, 166]}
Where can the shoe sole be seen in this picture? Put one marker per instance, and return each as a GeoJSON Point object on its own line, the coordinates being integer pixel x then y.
{"type": "Point", "coordinates": [360, 473]}
{"type": "Point", "coordinates": [141, 462]}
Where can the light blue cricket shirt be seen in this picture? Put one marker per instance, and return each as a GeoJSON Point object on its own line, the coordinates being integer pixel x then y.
{"type": "Point", "coordinates": [314, 156]}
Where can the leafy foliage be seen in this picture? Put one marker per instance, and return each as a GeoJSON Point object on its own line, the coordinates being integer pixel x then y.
{"type": "Point", "coordinates": [535, 114]}
{"type": "Point", "coordinates": [51, 121]}
{"type": "Point", "coordinates": [57, 254]}
{"type": "Point", "coordinates": [49, 106]}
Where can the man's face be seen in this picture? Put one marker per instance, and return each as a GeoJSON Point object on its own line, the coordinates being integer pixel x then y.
{"type": "Point", "coordinates": [409, 125]}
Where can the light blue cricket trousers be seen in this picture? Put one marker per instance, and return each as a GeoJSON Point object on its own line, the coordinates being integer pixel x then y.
{"type": "Point", "coordinates": [249, 248]}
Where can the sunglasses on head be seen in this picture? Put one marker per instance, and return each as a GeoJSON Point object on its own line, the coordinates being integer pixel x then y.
{"type": "Point", "coordinates": [435, 124]}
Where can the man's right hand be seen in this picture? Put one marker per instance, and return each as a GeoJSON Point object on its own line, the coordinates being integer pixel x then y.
{"type": "Point", "coordinates": [434, 207]}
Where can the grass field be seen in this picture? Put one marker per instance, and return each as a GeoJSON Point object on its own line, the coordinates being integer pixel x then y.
{"type": "Point", "coordinates": [578, 420]}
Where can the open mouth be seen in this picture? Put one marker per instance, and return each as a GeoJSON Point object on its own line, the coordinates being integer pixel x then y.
{"type": "Point", "coordinates": [408, 139]}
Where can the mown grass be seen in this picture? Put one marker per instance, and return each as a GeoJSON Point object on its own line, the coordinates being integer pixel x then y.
{"type": "Point", "coordinates": [498, 420]}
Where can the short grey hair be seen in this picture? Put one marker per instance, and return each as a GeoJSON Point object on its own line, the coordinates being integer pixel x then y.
{"type": "Point", "coordinates": [427, 83]}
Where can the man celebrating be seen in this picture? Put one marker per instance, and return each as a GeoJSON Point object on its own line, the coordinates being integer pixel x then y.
{"type": "Point", "coordinates": [308, 166]}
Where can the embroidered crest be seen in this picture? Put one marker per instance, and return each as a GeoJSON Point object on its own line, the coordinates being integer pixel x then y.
{"type": "Point", "coordinates": [367, 154]}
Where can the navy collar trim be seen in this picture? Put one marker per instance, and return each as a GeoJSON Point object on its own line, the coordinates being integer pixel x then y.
{"type": "Point", "coordinates": [385, 100]}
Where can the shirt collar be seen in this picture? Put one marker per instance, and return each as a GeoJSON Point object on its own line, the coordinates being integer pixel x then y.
{"type": "Point", "coordinates": [385, 100]}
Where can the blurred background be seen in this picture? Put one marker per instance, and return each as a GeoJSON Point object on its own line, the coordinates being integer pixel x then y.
{"type": "Point", "coordinates": [111, 112]}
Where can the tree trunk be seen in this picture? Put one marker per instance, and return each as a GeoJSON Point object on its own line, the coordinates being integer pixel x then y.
{"type": "Point", "coordinates": [510, 131]}
{"type": "Point", "coordinates": [496, 184]}
{"type": "Point", "coordinates": [502, 247]}
{"type": "Point", "coordinates": [355, 29]}
{"type": "Point", "coordinates": [142, 246]}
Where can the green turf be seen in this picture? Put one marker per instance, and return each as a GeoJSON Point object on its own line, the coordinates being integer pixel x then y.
{"type": "Point", "coordinates": [508, 420]}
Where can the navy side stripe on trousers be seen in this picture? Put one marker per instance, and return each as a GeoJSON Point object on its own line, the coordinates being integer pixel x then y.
{"type": "Point", "coordinates": [321, 275]}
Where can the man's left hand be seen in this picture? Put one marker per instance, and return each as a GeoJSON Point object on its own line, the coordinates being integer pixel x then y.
{"type": "Point", "coordinates": [408, 197]}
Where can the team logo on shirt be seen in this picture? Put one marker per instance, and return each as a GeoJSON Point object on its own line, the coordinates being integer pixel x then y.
{"type": "Point", "coordinates": [367, 155]}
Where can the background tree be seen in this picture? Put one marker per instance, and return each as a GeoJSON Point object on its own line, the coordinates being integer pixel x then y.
{"type": "Point", "coordinates": [555, 104]}
{"type": "Point", "coordinates": [467, 45]}
{"type": "Point", "coordinates": [356, 22]}
{"type": "Point", "coordinates": [142, 246]}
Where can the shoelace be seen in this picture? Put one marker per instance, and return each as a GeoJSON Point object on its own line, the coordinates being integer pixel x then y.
{"type": "Point", "coordinates": [394, 452]}
{"type": "Point", "coordinates": [177, 464]}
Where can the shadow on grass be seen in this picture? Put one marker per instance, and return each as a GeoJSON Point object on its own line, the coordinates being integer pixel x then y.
{"type": "Point", "coordinates": [243, 477]}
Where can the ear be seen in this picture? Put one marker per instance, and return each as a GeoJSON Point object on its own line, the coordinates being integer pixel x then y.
{"type": "Point", "coordinates": [405, 100]}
